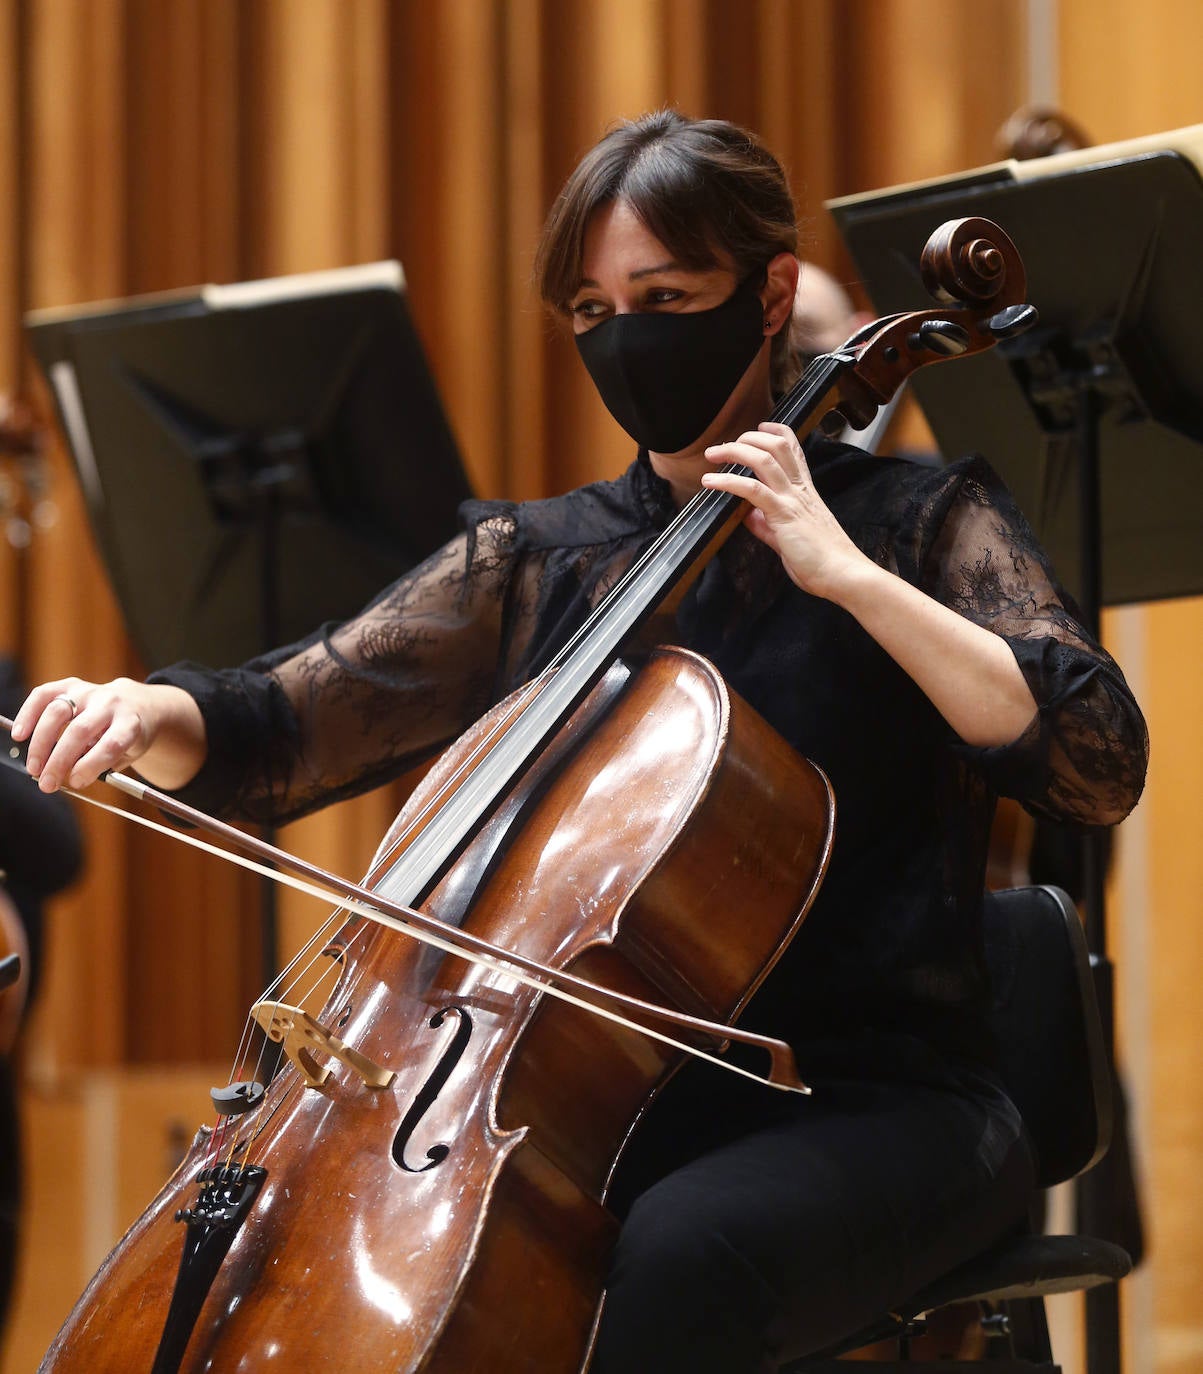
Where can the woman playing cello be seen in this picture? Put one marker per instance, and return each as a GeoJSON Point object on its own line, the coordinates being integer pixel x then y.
{"type": "Point", "coordinates": [897, 624]}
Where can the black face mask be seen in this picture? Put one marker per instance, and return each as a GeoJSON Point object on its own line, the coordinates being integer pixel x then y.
{"type": "Point", "coordinates": [665, 377]}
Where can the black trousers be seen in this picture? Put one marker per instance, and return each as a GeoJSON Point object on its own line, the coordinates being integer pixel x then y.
{"type": "Point", "coordinates": [777, 1227]}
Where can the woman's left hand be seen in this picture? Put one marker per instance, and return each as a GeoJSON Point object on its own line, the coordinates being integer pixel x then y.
{"type": "Point", "coordinates": [970, 674]}
{"type": "Point", "coordinates": [788, 513]}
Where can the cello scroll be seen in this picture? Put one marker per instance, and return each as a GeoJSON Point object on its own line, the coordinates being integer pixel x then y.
{"type": "Point", "coordinates": [974, 270]}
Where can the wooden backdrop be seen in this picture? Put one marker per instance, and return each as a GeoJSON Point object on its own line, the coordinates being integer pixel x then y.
{"type": "Point", "coordinates": [148, 144]}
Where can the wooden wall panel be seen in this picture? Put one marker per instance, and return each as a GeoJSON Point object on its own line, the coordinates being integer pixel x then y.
{"type": "Point", "coordinates": [930, 84]}
{"type": "Point", "coordinates": [524, 459]}
{"type": "Point", "coordinates": [184, 104]}
{"type": "Point", "coordinates": [75, 251]}
{"type": "Point", "coordinates": [222, 139]}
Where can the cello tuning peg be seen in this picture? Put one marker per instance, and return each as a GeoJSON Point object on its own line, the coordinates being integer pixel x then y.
{"type": "Point", "coordinates": [1013, 320]}
{"type": "Point", "coordinates": [945, 337]}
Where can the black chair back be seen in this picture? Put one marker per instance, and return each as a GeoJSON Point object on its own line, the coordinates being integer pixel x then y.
{"type": "Point", "coordinates": [1045, 1019]}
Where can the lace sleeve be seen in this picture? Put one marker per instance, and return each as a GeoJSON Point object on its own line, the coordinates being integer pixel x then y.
{"type": "Point", "coordinates": [1084, 756]}
{"type": "Point", "coordinates": [358, 703]}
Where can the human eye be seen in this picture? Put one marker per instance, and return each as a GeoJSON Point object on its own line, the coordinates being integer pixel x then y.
{"type": "Point", "coordinates": [662, 295]}
{"type": "Point", "coordinates": [589, 310]}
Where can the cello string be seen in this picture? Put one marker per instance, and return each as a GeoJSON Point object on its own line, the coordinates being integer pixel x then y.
{"type": "Point", "coordinates": [798, 404]}
{"type": "Point", "coordinates": [677, 536]}
{"type": "Point", "coordinates": [276, 989]}
{"type": "Point", "coordinates": [434, 806]}
{"type": "Point", "coordinates": [285, 1089]}
{"type": "Point", "coordinates": [331, 969]}
{"type": "Point", "coordinates": [256, 1072]}
{"type": "Point", "coordinates": [287, 1083]}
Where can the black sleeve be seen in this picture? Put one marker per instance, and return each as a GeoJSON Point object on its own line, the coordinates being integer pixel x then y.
{"type": "Point", "coordinates": [358, 703]}
{"type": "Point", "coordinates": [1084, 756]}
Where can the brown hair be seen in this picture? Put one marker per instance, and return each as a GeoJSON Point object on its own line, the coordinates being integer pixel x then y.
{"type": "Point", "coordinates": [704, 187]}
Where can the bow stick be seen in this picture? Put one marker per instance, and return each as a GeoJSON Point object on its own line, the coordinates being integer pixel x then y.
{"type": "Point", "coordinates": [318, 882]}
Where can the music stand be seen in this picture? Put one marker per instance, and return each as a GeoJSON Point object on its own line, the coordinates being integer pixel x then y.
{"type": "Point", "coordinates": [1094, 418]}
{"type": "Point", "coordinates": [1109, 238]}
{"type": "Point", "coordinates": [256, 459]}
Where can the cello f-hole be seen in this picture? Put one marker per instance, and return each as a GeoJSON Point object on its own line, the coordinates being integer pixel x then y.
{"type": "Point", "coordinates": [430, 1090]}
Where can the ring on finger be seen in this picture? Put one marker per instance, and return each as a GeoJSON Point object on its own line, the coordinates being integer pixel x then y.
{"type": "Point", "coordinates": [62, 696]}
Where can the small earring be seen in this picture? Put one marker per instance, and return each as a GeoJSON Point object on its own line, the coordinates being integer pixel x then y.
{"type": "Point", "coordinates": [768, 324]}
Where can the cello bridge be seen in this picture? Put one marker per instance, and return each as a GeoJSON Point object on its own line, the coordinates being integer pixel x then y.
{"type": "Point", "coordinates": [301, 1034]}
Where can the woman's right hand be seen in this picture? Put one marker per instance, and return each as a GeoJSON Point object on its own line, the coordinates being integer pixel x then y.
{"type": "Point", "coordinates": [78, 730]}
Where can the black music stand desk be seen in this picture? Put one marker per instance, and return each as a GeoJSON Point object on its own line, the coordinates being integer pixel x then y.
{"type": "Point", "coordinates": [256, 459]}
{"type": "Point", "coordinates": [1110, 240]}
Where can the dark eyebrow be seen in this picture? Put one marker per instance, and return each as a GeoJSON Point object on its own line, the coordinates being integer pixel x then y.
{"type": "Point", "coordinates": [671, 266]}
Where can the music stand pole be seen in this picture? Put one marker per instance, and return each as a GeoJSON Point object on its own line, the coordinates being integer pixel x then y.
{"type": "Point", "coordinates": [1078, 389]}
{"type": "Point", "coordinates": [1103, 1337]}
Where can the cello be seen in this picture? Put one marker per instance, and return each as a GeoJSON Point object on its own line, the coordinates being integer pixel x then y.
{"type": "Point", "coordinates": [422, 1186]}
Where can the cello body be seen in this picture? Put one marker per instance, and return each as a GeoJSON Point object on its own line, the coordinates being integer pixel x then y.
{"type": "Point", "coordinates": [668, 844]}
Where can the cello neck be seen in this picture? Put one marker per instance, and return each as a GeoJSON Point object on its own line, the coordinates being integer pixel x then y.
{"type": "Point", "coordinates": [660, 574]}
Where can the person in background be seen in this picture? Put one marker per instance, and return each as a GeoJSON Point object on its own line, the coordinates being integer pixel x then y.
{"type": "Point", "coordinates": [824, 316]}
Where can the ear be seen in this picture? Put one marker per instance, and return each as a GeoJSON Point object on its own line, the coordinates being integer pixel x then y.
{"type": "Point", "coordinates": [777, 293]}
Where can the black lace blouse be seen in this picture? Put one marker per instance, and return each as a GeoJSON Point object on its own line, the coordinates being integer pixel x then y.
{"type": "Point", "coordinates": [892, 941]}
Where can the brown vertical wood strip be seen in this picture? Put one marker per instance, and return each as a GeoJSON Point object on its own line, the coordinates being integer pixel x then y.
{"type": "Point", "coordinates": [684, 48]}
{"type": "Point", "coordinates": [76, 231]}
{"type": "Point", "coordinates": [369, 132]}
{"type": "Point", "coordinates": [254, 148]}
{"type": "Point", "coordinates": [11, 195]}
{"type": "Point", "coordinates": [800, 104]}
{"type": "Point", "coordinates": [522, 462]}
{"type": "Point", "coordinates": [221, 116]}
